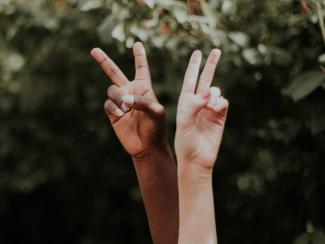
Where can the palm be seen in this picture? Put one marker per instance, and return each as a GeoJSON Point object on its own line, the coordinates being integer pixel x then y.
{"type": "Point", "coordinates": [206, 129]}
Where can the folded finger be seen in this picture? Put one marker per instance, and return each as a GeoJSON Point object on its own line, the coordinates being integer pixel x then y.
{"type": "Point", "coordinates": [116, 93]}
{"type": "Point", "coordinates": [145, 104]}
{"type": "Point", "coordinates": [214, 96]}
{"type": "Point", "coordinates": [112, 110]}
{"type": "Point", "coordinates": [221, 106]}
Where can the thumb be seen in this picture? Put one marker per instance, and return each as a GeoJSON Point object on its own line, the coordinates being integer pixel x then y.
{"type": "Point", "coordinates": [149, 106]}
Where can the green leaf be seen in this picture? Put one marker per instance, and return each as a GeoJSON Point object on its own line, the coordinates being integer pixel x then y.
{"type": "Point", "coordinates": [311, 236]}
{"type": "Point", "coordinates": [304, 85]}
{"type": "Point", "coordinates": [318, 238]}
{"type": "Point", "coordinates": [280, 56]}
{"type": "Point", "coordinates": [303, 239]}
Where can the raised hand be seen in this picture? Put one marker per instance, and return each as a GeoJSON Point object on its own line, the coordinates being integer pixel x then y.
{"type": "Point", "coordinates": [139, 122]}
{"type": "Point", "coordinates": [201, 114]}
{"type": "Point", "coordinates": [141, 127]}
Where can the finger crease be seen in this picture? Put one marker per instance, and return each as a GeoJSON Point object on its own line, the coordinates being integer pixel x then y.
{"type": "Point", "coordinates": [112, 71]}
{"type": "Point", "coordinates": [145, 92]}
{"type": "Point", "coordinates": [139, 66]}
{"type": "Point", "coordinates": [103, 61]}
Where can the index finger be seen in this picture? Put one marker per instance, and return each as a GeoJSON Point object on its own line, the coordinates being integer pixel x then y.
{"type": "Point", "coordinates": [109, 67]}
{"type": "Point", "coordinates": [192, 72]}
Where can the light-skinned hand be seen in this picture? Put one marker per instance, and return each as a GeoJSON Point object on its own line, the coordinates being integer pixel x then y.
{"type": "Point", "coordinates": [201, 114]}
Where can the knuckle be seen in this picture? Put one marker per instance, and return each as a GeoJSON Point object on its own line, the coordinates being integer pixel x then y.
{"type": "Point", "coordinates": [226, 102]}
{"type": "Point", "coordinates": [213, 62]}
{"type": "Point", "coordinates": [104, 60]}
{"type": "Point", "coordinates": [107, 105]}
{"type": "Point", "coordinates": [141, 66]}
{"type": "Point", "coordinates": [161, 111]}
{"type": "Point", "coordinates": [110, 90]}
{"type": "Point", "coordinates": [112, 71]}
{"type": "Point", "coordinates": [142, 101]}
{"type": "Point", "coordinates": [140, 55]}
{"type": "Point", "coordinates": [114, 93]}
{"type": "Point", "coordinates": [195, 62]}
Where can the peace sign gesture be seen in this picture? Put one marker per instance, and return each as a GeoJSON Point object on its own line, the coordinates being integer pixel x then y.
{"type": "Point", "coordinates": [132, 107]}
{"type": "Point", "coordinates": [201, 114]}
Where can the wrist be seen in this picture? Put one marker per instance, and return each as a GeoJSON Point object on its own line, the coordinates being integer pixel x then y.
{"type": "Point", "coordinates": [153, 152]}
{"type": "Point", "coordinates": [194, 173]}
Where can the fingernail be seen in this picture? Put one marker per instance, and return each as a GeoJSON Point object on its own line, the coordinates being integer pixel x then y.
{"type": "Point", "coordinates": [140, 47]}
{"type": "Point", "coordinates": [118, 112]}
{"type": "Point", "coordinates": [125, 108]}
{"type": "Point", "coordinates": [197, 53]}
{"type": "Point", "coordinates": [157, 107]}
{"type": "Point", "coordinates": [215, 55]}
{"type": "Point", "coordinates": [197, 56]}
{"type": "Point", "coordinates": [97, 53]}
{"type": "Point", "coordinates": [128, 99]}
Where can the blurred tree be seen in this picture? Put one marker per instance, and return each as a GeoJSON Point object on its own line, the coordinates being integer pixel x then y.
{"type": "Point", "coordinates": [65, 178]}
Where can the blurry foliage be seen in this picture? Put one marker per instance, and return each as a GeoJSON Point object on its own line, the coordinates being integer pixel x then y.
{"type": "Point", "coordinates": [64, 177]}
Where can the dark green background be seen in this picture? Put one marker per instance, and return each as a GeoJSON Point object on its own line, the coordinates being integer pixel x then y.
{"type": "Point", "coordinates": [64, 177]}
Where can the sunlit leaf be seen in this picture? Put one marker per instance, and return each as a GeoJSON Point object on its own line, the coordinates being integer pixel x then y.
{"type": "Point", "coordinates": [150, 3]}
{"type": "Point", "coordinates": [321, 58]}
{"type": "Point", "coordinates": [118, 32]}
{"type": "Point", "coordinates": [239, 38]}
{"type": "Point", "coordinates": [305, 84]}
{"type": "Point", "coordinates": [15, 62]}
{"type": "Point", "coordinates": [106, 28]}
{"type": "Point", "coordinates": [227, 7]}
{"type": "Point", "coordinates": [91, 4]}
{"type": "Point", "coordinates": [180, 14]}
{"type": "Point", "coordinates": [251, 56]}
